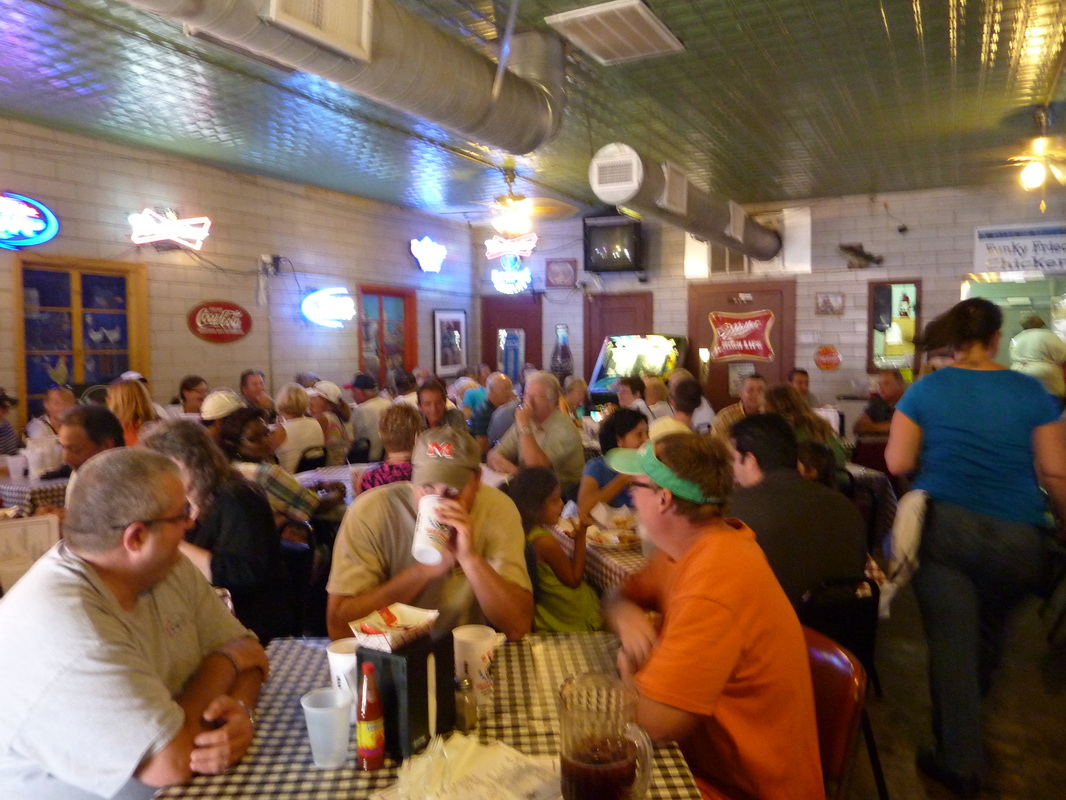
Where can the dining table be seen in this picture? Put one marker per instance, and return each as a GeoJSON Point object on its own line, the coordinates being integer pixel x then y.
{"type": "Point", "coordinates": [606, 567]}
{"type": "Point", "coordinates": [29, 494]}
{"type": "Point", "coordinates": [522, 713]}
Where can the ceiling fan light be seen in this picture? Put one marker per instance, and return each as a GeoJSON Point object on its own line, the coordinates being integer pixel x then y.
{"type": "Point", "coordinates": [513, 215]}
{"type": "Point", "coordinates": [1033, 175]}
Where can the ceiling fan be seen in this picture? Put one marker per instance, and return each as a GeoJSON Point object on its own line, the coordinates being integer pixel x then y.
{"type": "Point", "coordinates": [1046, 156]}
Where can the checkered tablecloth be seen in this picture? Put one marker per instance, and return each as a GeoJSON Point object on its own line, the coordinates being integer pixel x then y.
{"type": "Point", "coordinates": [29, 494]}
{"type": "Point", "coordinates": [605, 567]}
{"type": "Point", "coordinates": [278, 764]}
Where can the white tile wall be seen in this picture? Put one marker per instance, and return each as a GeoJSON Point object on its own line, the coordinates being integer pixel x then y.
{"type": "Point", "coordinates": [327, 239]}
{"type": "Point", "coordinates": [330, 238]}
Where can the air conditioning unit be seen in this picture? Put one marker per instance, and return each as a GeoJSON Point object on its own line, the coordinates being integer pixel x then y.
{"type": "Point", "coordinates": [343, 26]}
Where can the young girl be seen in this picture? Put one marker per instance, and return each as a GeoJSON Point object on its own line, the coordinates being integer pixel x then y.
{"type": "Point", "coordinates": [565, 603]}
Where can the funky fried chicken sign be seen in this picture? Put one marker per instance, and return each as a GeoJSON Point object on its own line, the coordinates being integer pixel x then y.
{"type": "Point", "coordinates": [742, 336]}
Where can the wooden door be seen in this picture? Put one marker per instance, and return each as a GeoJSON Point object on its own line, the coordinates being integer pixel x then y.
{"type": "Point", "coordinates": [776, 297]}
{"type": "Point", "coordinates": [522, 312]}
{"type": "Point", "coordinates": [615, 315]}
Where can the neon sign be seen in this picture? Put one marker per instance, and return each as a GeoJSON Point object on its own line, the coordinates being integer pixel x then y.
{"type": "Point", "coordinates": [330, 308]}
{"type": "Point", "coordinates": [512, 277]}
{"type": "Point", "coordinates": [151, 226]}
{"type": "Point", "coordinates": [428, 254]}
{"type": "Point", "coordinates": [25, 222]}
{"type": "Point", "coordinates": [521, 246]}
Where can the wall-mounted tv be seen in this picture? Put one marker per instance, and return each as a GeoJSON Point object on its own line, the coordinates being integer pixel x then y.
{"type": "Point", "coordinates": [613, 244]}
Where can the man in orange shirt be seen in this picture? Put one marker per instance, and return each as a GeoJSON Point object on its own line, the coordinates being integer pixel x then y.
{"type": "Point", "coordinates": [727, 675]}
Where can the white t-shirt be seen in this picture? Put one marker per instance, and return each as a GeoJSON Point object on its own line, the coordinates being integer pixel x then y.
{"type": "Point", "coordinates": [88, 688]}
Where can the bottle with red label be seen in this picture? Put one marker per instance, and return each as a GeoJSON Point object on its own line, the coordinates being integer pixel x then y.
{"type": "Point", "coordinates": [370, 723]}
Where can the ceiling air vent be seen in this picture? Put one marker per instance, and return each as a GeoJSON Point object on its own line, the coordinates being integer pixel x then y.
{"type": "Point", "coordinates": [616, 173]}
{"type": "Point", "coordinates": [341, 25]}
{"type": "Point", "coordinates": [675, 190]}
{"type": "Point", "coordinates": [616, 32]}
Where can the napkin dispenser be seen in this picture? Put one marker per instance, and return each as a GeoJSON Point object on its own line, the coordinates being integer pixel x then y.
{"type": "Point", "coordinates": [417, 687]}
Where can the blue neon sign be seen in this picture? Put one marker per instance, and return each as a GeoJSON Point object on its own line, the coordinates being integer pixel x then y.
{"type": "Point", "coordinates": [25, 222]}
{"type": "Point", "coordinates": [330, 308]}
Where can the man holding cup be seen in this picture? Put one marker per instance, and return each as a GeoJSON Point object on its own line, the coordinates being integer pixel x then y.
{"type": "Point", "coordinates": [727, 676]}
{"type": "Point", "coordinates": [123, 671]}
{"type": "Point", "coordinates": [481, 574]}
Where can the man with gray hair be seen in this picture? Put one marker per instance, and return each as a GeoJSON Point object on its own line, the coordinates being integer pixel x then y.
{"type": "Point", "coordinates": [542, 436]}
{"type": "Point", "coordinates": [116, 640]}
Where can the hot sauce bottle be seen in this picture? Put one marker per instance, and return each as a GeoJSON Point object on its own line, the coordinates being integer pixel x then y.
{"type": "Point", "coordinates": [370, 723]}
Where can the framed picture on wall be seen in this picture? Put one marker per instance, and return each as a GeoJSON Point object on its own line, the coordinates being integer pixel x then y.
{"type": "Point", "coordinates": [449, 342]}
{"type": "Point", "coordinates": [829, 303]}
{"type": "Point", "coordinates": [560, 273]}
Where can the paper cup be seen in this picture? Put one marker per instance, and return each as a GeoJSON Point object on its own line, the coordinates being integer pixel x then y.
{"type": "Point", "coordinates": [326, 712]}
{"type": "Point", "coordinates": [431, 537]}
{"type": "Point", "coordinates": [474, 648]}
{"type": "Point", "coordinates": [17, 466]}
{"type": "Point", "coordinates": [343, 672]}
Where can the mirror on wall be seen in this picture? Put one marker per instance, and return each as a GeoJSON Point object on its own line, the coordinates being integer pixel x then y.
{"type": "Point", "coordinates": [894, 319]}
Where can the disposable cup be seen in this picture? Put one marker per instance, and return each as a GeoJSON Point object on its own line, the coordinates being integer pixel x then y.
{"type": "Point", "coordinates": [326, 712]}
{"type": "Point", "coordinates": [342, 668]}
{"type": "Point", "coordinates": [431, 536]}
{"type": "Point", "coordinates": [17, 466]}
{"type": "Point", "coordinates": [474, 649]}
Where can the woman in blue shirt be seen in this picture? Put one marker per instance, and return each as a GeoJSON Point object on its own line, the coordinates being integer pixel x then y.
{"type": "Point", "coordinates": [626, 427]}
{"type": "Point", "coordinates": [983, 440]}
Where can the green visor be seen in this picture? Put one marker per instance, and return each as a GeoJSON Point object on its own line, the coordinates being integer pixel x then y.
{"type": "Point", "coordinates": [644, 462]}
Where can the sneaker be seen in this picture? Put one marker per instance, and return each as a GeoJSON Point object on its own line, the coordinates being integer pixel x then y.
{"type": "Point", "coordinates": [962, 785]}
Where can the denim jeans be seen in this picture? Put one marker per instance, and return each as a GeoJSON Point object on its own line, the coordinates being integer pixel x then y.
{"type": "Point", "coordinates": [973, 571]}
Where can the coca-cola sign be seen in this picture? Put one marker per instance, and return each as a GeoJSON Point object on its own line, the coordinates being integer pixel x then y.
{"type": "Point", "coordinates": [742, 336]}
{"type": "Point", "coordinates": [219, 321]}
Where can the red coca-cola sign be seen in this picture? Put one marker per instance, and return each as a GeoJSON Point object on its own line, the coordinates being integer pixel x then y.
{"type": "Point", "coordinates": [742, 336]}
{"type": "Point", "coordinates": [219, 321]}
{"type": "Point", "coordinates": [827, 357]}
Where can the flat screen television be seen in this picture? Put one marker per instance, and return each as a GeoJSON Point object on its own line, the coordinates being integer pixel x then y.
{"type": "Point", "coordinates": [613, 244]}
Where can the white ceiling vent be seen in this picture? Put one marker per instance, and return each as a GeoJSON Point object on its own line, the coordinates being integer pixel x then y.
{"type": "Point", "coordinates": [341, 25]}
{"type": "Point", "coordinates": [616, 173]}
{"type": "Point", "coordinates": [675, 191]}
{"type": "Point", "coordinates": [616, 32]}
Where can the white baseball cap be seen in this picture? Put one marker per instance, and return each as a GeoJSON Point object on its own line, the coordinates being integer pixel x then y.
{"type": "Point", "coordinates": [326, 389]}
{"type": "Point", "coordinates": [220, 403]}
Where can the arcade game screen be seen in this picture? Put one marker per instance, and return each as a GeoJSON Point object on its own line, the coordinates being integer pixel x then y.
{"type": "Point", "coordinates": [634, 355]}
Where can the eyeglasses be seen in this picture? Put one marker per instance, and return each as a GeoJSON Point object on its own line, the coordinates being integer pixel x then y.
{"type": "Point", "coordinates": [184, 516]}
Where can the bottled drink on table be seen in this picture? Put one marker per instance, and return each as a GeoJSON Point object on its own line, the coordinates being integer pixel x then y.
{"type": "Point", "coordinates": [562, 360]}
{"type": "Point", "coordinates": [370, 723]}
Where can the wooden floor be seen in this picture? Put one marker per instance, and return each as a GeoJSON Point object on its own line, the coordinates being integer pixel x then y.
{"type": "Point", "coordinates": [1025, 714]}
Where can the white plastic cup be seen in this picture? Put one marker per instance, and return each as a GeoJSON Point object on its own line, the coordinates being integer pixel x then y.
{"type": "Point", "coordinates": [343, 670]}
{"type": "Point", "coordinates": [327, 713]}
{"type": "Point", "coordinates": [474, 648]}
{"type": "Point", "coordinates": [431, 536]}
{"type": "Point", "coordinates": [17, 466]}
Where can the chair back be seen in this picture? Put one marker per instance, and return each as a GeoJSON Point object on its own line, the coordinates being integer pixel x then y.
{"type": "Point", "coordinates": [846, 611]}
{"type": "Point", "coordinates": [359, 452]}
{"type": "Point", "coordinates": [839, 694]}
{"type": "Point", "coordinates": [312, 457]}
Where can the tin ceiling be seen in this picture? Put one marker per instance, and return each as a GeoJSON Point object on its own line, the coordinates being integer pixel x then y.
{"type": "Point", "coordinates": [770, 100]}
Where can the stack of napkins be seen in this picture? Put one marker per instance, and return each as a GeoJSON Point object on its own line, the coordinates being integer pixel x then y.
{"type": "Point", "coordinates": [391, 627]}
{"type": "Point", "coordinates": [463, 769]}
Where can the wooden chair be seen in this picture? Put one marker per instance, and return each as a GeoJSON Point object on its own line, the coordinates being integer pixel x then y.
{"type": "Point", "coordinates": [840, 710]}
{"type": "Point", "coordinates": [313, 457]}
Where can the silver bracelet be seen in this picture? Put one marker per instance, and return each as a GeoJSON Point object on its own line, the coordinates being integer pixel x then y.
{"type": "Point", "coordinates": [251, 714]}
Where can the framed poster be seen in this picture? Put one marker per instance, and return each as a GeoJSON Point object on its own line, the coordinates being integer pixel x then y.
{"type": "Point", "coordinates": [829, 304]}
{"type": "Point", "coordinates": [449, 342]}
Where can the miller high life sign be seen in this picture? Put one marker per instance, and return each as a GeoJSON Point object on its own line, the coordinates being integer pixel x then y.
{"type": "Point", "coordinates": [741, 337]}
{"type": "Point", "coordinates": [219, 321]}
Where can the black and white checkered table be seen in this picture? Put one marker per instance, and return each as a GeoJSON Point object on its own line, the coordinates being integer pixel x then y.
{"type": "Point", "coordinates": [278, 764]}
{"type": "Point", "coordinates": [29, 493]}
{"type": "Point", "coordinates": [606, 567]}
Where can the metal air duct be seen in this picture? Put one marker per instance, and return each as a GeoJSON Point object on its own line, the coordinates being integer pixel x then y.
{"type": "Point", "coordinates": [619, 175]}
{"type": "Point", "coordinates": [413, 67]}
